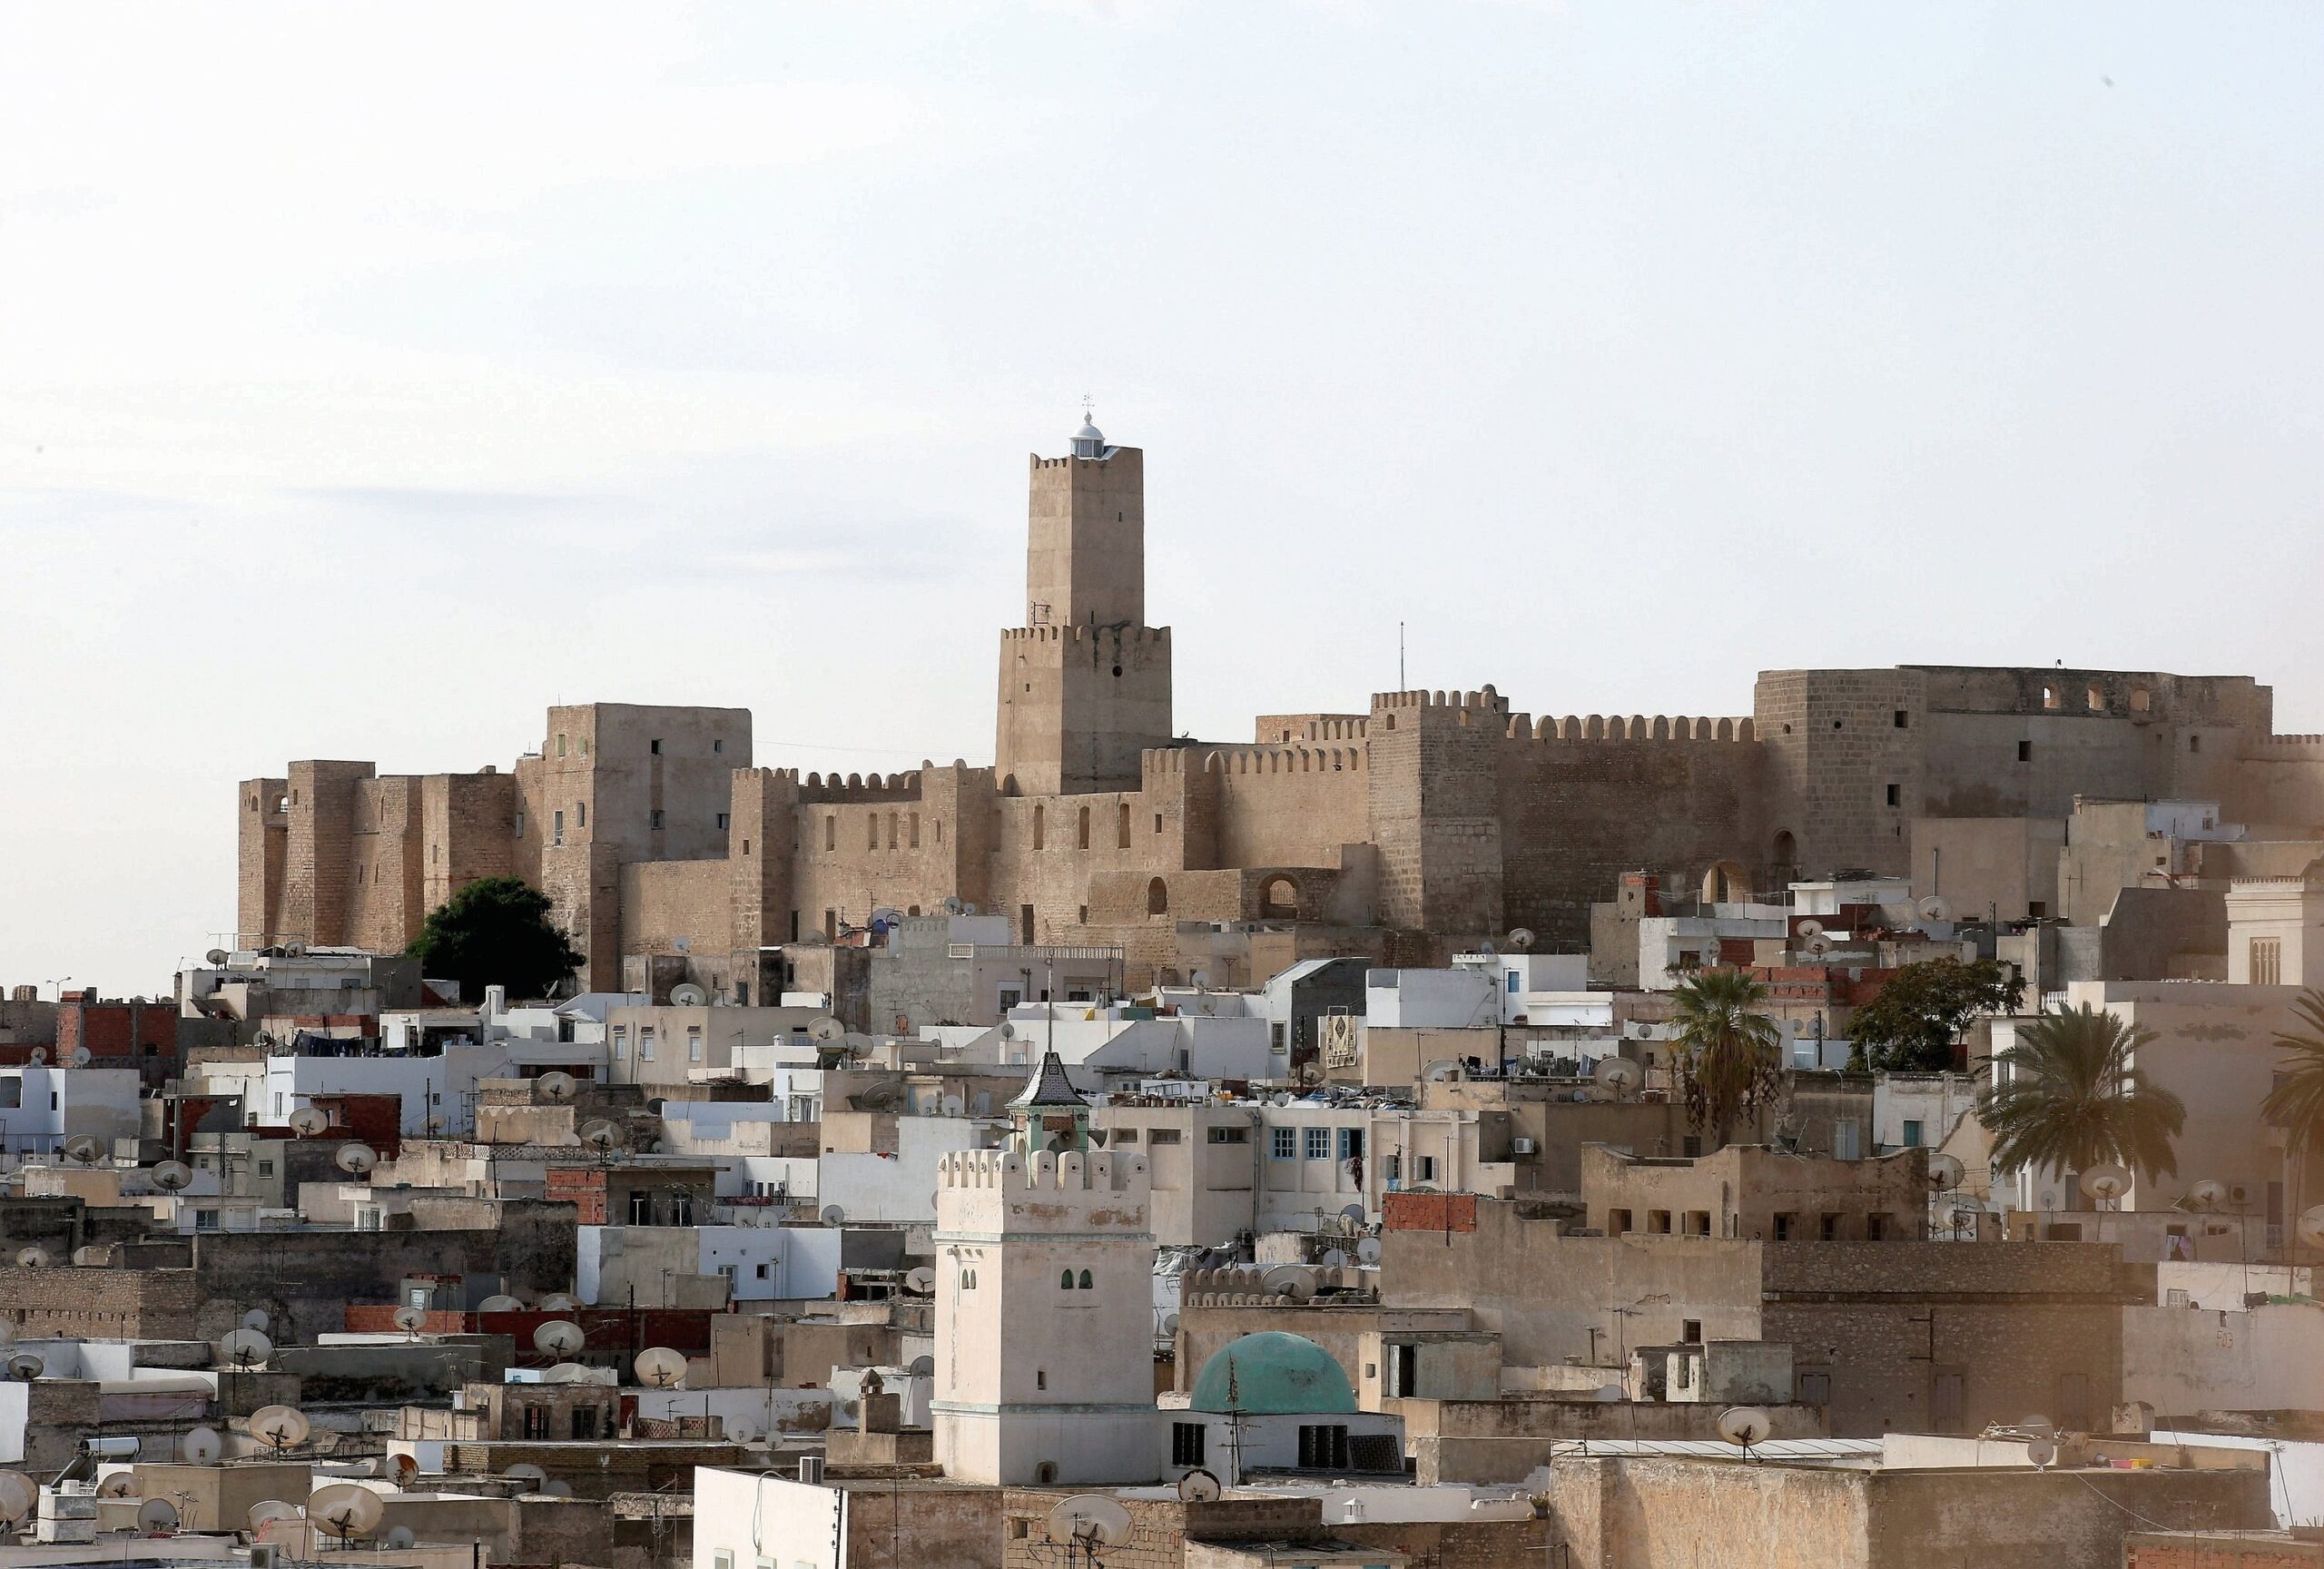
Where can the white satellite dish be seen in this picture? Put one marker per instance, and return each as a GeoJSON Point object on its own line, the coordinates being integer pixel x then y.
{"type": "Point", "coordinates": [1816, 946]}
{"type": "Point", "coordinates": [1294, 1281]}
{"type": "Point", "coordinates": [1198, 1487]}
{"type": "Point", "coordinates": [256, 1319]}
{"type": "Point", "coordinates": [268, 1511]}
{"type": "Point", "coordinates": [1945, 1170]}
{"type": "Point", "coordinates": [920, 1280]}
{"type": "Point", "coordinates": [309, 1121]}
{"type": "Point", "coordinates": [2041, 1451]}
{"type": "Point", "coordinates": [688, 995]}
{"type": "Point", "coordinates": [560, 1302]}
{"type": "Point", "coordinates": [2311, 1225]}
{"type": "Point", "coordinates": [217, 956]}
{"type": "Point", "coordinates": [81, 1057]}
{"type": "Point", "coordinates": [500, 1302]}
{"type": "Point", "coordinates": [742, 1429]}
{"type": "Point", "coordinates": [1809, 928]}
{"type": "Point", "coordinates": [32, 1258]}
{"type": "Point", "coordinates": [1520, 938]}
{"type": "Point", "coordinates": [1089, 1520]}
{"type": "Point", "coordinates": [26, 1366]}
{"type": "Point", "coordinates": [18, 1497]}
{"type": "Point", "coordinates": [1744, 1426]}
{"type": "Point", "coordinates": [660, 1367]}
{"type": "Point", "coordinates": [1618, 1075]}
{"type": "Point", "coordinates": [2207, 1194]}
{"type": "Point", "coordinates": [279, 1427]}
{"type": "Point", "coordinates": [831, 1215]}
{"type": "Point", "coordinates": [1008, 1030]}
{"type": "Point", "coordinates": [555, 1088]}
{"type": "Point", "coordinates": [401, 1538]}
{"type": "Point", "coordinates": [952, 1106]}
{"type": "Point", "coordinates": [556, 1487]}
{"type": "Point", "coordinates": [1367, 1252]}
{"type": "Point", "coordinates": [346, 1510]}
{"type": "Point", "coordinates": [120, 1485]}
{"type": "Point", "coordinates": [826, 1028]}
{"type": "Point", "coordinates": [566, 1373]}
{"type": "Point", "coordinates": [1169, 1323]}
{"type": "Point", "coordinates": [84, 1150]}
{"type": "Point", "coordinates": [528, 1475]}
{"type": "Point", "coordinates": [1352, 1218]}
{"type": "Point", "coordinates": [39, 1056]}
{"type": "Point", "coordinates": [357, 1159]}
{"type": "Point", "coordinates": [171, 1175]}
{"type": "Point", "coordinates": [157, 1517]}
{"type": "Point", "coordinates": [95, 1255]}
{"type": "Point", "coordinates": [600, 1133]}
{"type": "Point", "coordinates": [1334, 1258]}
{"type": "Point", "coordinates": [1442, 1070]}
{"type": "Point", "coordinates": [921, 1366]}
{"type": "Point", "coordinates": [201, 1447]}
{"type": "Point", "coordinates": [2105, 1182]}
{"type": "Point", "coordinates": [558, 1338]}
{"type": "Point", "coordinates": [411, 1320]}
{"type": "Point", "coordinates": [246, 1348]}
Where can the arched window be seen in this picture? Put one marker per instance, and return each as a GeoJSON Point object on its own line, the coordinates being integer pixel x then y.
{"type": "Point", "coordinates": [1784, 854]}
{"type": "Point", "coordinates": [1158, 897]}
{"type": "Point", "coordinates": [1279, 897]}
{"type": "Point", "coordinates": [2050, 698]}
{"type": "Point", "coordinates": [1064, 1282]}
{"type": "Point", "coordinates": [2096, 700]}
{"type": "Point", "coordinates": [1085, 1281]}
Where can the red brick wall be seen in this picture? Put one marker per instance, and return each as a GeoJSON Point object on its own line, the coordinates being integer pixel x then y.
{"type": "Point", "coordinates": [1429, 1212]}
{"type": "Point", "coordinates": [583, 1188]}
{"type": "Point", "coordinates": [2190, 1553]}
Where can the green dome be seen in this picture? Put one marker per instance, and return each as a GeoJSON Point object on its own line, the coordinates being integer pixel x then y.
{"type": "Point", "coordinates": [1274, 1373]}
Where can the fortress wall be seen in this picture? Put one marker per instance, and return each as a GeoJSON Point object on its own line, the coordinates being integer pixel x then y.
{"type": "Point", "coordinates": [262, 844]}
{"type": "Point", "coordinates": [1290, 805]}
{"type": "Point", "coordinates": [387, 892]}
{"type": "Point", "coordinates": [665, 903]}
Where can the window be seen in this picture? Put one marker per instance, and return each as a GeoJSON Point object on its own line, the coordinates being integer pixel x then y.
{"type": "Point", "coordinates": [621, 1043]}
{"type": "Point", "coordinates": [831, 834]}
{"type": "Point", "coordinates": [1391, 1169]}
{"type": "Point", "coordinates": [1064, 1282]}
{"type": "Point", "coordinates": [891, 830]}
{"type": "Point", "coordinates": [266, 1168]}
{"type": "Point", "coordinates": [1424, 1168]}
{"type": "Point", "coordinates": [1042, 1381]}
{"type": "Point", "coordinates": [1163, 1136]}
{"type": "Point", "coordinates": [871, 831]}
{"type": "Point", "coordinates": [646, 1044]}
{"type": "Point", "coordinates": [1351, 1143]}
{"type": "Point", "coordinates": [1158, 821]}
{"type": "Point", "coordinates": [1285, 1143]}
{"type": "Point", "coordinates": [1830, 1227]}
{"type": "Point", "coordinates": [2025, 751]}
{"type": "Point", "coordinates": [1895, 796]}
{"type": "Point", "coordinates": [1903, 720]}
{"type": "Point", "coordinates": [641, 1209]}
{"type": "Point", "coordinates": [1121, 829]}
{"type": "Point", "coordinates": [1784, 1223]}
{"type": "Point", "coordinates": [657, 817]}
{"type": "Point", "coordinates": [1230, 1135]}
{"type": "Point", "coordinates": [1158, 897]}
{"type": "Point", "coordinates": [1081, 830]}
{"type": "Point", "coordinates": [655, 747]}
{"type": "Point", "coordinates": [1122, 1136]}
{"type": "Point", "coordinates": [1658, 1221]}
{"type": "Point", "coordinates": [1086, 1283]}
{"type": "Point", "coordinates": [560, 745]}
{"type": "Point", "coordinates": [1323, 1447]}
{"type": "Point", "coordinates": [915, 833]}
{"type": "Point", "coordinates": [1691, 1331]}
{"type": "Point", "coordinates": [1319, 1143]}
{"type": "Point", "coordinates": [1040, 823]}
{"type": "Point", "coordinates": [205, 1220]}
{"type": "Point", "coordinates": [723, 818]}
{"type": "Point", "coordinates": [2194, 743]}
{"type": "Point", "coordinates": [2266, 960]}
{"type": "Point", "coordinates": [556, 835]}
{"type": "Point", "coordinates": [1185, 1443]}
{"type": "Point", "coordinates": [2095, 700]}
{"type": "Point", "coordinates": [1912, 1133]}
{"type": "Point", "coordinates": [1876, 1227]}
{"type": "Point", "coordinates": [693, 1045]}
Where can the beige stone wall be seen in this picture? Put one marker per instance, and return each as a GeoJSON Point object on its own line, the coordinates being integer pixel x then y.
{"type": "Point", "coordinates": [677, 907]}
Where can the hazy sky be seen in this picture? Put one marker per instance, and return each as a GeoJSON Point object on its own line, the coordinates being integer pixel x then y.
{"type": "Point", "coordinates": [373, 376]}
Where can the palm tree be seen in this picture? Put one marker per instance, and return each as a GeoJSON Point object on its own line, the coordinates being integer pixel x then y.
{"type": "Point", "coordinates": [1728, 1057]}
{"type": "Point", "coordinates": [2072, 1101]}
{"type": "Point", "coordinates": [2296, 1104]}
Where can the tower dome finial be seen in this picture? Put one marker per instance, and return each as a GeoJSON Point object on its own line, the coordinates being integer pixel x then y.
{"type": "Point", "coordinates": [1089, 441]}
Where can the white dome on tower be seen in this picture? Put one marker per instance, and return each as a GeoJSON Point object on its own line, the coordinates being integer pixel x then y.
{"type": "Point", "coordinates": [1089, 441]}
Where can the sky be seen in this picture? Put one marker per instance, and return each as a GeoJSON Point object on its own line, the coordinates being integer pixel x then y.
{"type": "Point", "coordinates": [373, 376]}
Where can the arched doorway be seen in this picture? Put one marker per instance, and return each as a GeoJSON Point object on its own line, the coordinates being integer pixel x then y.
{"type": "Point", "coordinates": [1158, 897]}
{"type": "Point", "coordinates": [1726, 883]}
{"type": "Point", "coordinates": [1783, 857]}
{"type": "Point", "coordinates": [1279, 897]}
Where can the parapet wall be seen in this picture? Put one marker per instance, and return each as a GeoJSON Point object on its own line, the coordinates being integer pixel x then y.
{"type": "Point", "coordinates": [1044, 1173]}
{"type": "Point", "coordinates": [1060, 632]}
{"type": "Point", "coordinates": [1637, 727]}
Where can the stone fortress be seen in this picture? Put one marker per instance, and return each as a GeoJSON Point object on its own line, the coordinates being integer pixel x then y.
{"type": "Point", "coordinates": [1426, 821]}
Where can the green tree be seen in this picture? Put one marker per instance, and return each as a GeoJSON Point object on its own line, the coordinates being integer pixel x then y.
{"type": "Point", "coordinates": [1729, 1059]}
{"type": "Point", "coordinates": [495, 932]}
{"type": "Point", "coordinates": [1913, 1025]}
{"type": "Point", "coordinates": [2071, 1100]}
{"type": "Point", "coordinates": [2296, 1104]}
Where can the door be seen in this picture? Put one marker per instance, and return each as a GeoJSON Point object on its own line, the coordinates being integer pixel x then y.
{"type": "Point", "coordinates": [1944, 1401]}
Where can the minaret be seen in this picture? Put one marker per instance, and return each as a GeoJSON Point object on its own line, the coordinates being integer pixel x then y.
{"type": "Point", "coordinates": [1044, 1304]}
{"type": "Point", "coordinates": [1085, 684]}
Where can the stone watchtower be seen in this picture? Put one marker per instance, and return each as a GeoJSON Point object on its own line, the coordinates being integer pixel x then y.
{"type": "Point", "coordinates": [1045, 1304]}
{"type": "Point", "coordinates": [1085, 684]}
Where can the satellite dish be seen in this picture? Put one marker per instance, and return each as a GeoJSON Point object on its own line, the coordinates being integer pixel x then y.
{"type": "Point", "coordinates": [921, 1366]}
{"type": "Point", "coordinates": [120, 1485]}
{"type": "Point", "coordinates": [1962, 1219]}
{"type": "Point", "coordinates": [256, 1319]}
{"type": "Point", "coordinates": [1744, 1426]}
{"type": "Point", "coordinates": [1367, 1252]}
{"type": "Point", "coordinates": [2041, 1451]}
{"type": "Point", "coordinates": [309, 1121]}
{"type": "Point", "coordinates": [1816, 947]}
{"type": "Point", "coordinates": [2311, 1224]}
{"type": "Point", "coordinates": [217, 956]}
{"type": "Point", "coordinates": [558, 1338]}
{"type": "Point", "coordinates": [402, 1536]}
{"type": "Point", "coordinates": [157, 1515]}
{"type": "Point", "coordinates": [500, 1302]}
{"type": "Point", "coordinates": [2105, 1182]}
{"type": "Point", "coordinates": [1007, 1031]}
{"type": "Point", "coordinates": [660, 1367]}
{"type": "Point", "coordinates": [96, 1254]}
{"type": "Point", "coordinates": [40, 1055]}
{"type": "Point", "coordinates": [411, 1320]}
{"type": "Point", "coordinates": [1618, 1075]}
{"type": "Point", "coordinates": [201, 1447]}
{"type": "Point", "coordinates": [2208, 1194]}
{"type": "Point", "coordinates": [1520, 938]}
{"type": "Point", "coordinates": [26, 1366]}
{"type": "Point", "coordinates": [831, 1215]}
{"type": "Point", "coordinates": [530, 1477]}
{"type": "Point", "coordinates": [83, 1150]}
{"type": "Point", "coordinates": [246, 1348]}
{"type": "Point", "coordinates": [556, 1487]}
{"type": "Point", "coordinates": [279, 1427]}
{"type": "Point", "coordinates": [1945, 1170]}
{"type": "Point", "coordinates": [1611, 1395]}
{"type": "Point", "coordinates": [827, 1029]}
{"type": "Point", "coordinates": [269, 1511]}
{"type": "Point", "coordinates": [566, 1373]}
{"type": "Point", "coordinates": [434, 1125]}
{"type": "Point", "coordinates": [2039, 1427]}
{"type": "Point", "coordinates": [1289, 1280]}
{"type": "Point", "coordinates": [952, 1106]}
{"type": "Point", "coordinates": [17, 1497]}
{"type": "Point", "coordinates": [1442, 1070]}
{"type": "Point", "coordinates": [357, 1159]}
{"type": "Point", "coordinates": [1090, 1520]}
{"type": "Point", "coordinates": [81, 1057]}
{"type": "Point", "coordinates": [560, 1302]}
{"type": "Point", "coordinates": [32, 1258]}
{"type": "Point", "coordinates": [1334, 1258]}
{"type": "Point", "coordinates": [1352, 1218]}
{"type": "Point", "coordinates": [742, 1429]}
{"type": "Point", "coordinates": [346, 1510]}
{"type": "Point", "coordinates": [601, 1134]}
{"type": "Point", "coordinates": [557, 1088]}
{"type": "Point", "coordinates": [1198, 1487]}
{"type": "Point", "coordinates": [406, 1468]}
{"type": "Point", "coordinates": [1808, 929]}
{"type": "Point", "coordinates": [920, 1280]}
{"type": "Point", "coordinates": [171, 1175]}
{"type": "Point", "coordinates": [1934, 909]}
{"type": "Point", "coordinates": [688, 996]}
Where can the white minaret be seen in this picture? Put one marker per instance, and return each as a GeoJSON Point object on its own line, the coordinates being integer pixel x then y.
{"type": "Point", "coordinates": [1045, 1305]}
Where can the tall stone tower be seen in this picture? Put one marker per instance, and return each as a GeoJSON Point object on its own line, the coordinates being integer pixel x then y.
{"type": "Point", "coordinates": [1044, 1305]}
{"type": "Point", "coordinates": [1085, 684]}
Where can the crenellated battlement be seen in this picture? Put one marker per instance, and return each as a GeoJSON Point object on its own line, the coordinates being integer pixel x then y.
{"type": "Point", "coordinates": [1156, 637]}
{"type": "Point", "coordinates": [2277, 748]}
{"type": "Point", "coordinates": [1006, 1170]}
{"type": "Point", "coordinates": [1637, 727]}
{"type": "Point", "coordinates": [1485, 699]}
{"type": "Point", "coordinates": [829, 790]}
{"type": "Point", "coordinates": [1283, 760]}
{"type": "Point", "coordinates": [1337, 730]}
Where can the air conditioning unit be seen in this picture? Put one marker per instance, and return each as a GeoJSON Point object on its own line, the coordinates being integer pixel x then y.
{"type": "Point", "coordinates": [1523, 1145]}
{"type": "Point", "coordinates": [810, 1470]}
{"type": "Point", "coordinates": [262, 1556]}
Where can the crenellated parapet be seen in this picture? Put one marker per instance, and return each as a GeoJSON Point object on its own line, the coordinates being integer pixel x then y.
{"type": "Point", "coordinates": [831, 789]}
{"type": "Point", "coordinates": [1043, 1172]}
{"type": "Point", "coordinates": [1636, 727]}
{"type": "Point", "coordinates": [1135, 636]}
{"type": "Point", "coordinates": [1292, 759]}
